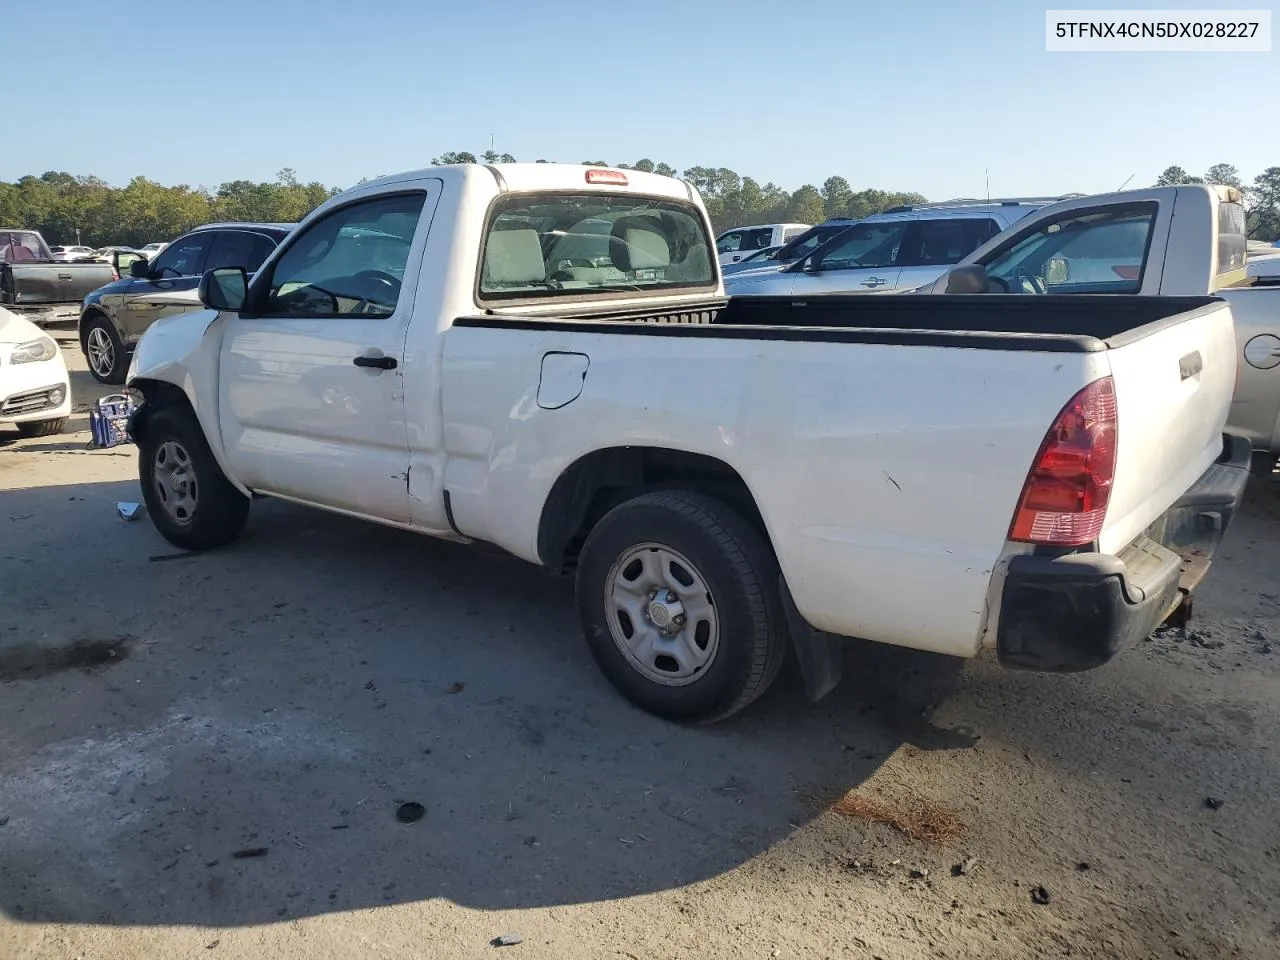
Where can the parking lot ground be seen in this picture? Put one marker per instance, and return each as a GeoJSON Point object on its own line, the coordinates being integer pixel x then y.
{"type": "Point", "coordinates": [216, 772]}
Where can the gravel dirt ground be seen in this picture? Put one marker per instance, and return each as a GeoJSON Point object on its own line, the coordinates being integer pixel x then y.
{"type": "Point", "coordinates": [215, 768]}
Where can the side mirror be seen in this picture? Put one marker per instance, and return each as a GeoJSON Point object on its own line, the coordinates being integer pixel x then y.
{"type": "Point", "coordinates": [968, 278]}
{"type": "Point", "coordinates": [1057, 270]}
{"type": "Point", "coordinates": [140, 269]}
{"type": "Point", "coordinates": [225, 288]}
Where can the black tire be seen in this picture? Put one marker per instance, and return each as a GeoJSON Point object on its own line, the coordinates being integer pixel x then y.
{"type": "Point", "coordinates": [119, 361]}
{"type": "Point", "coordinates": [219, 510]}
{"type": "Point", "coordinates": [741, 575]}
{"type": "Point", "coordinates": [41, 428]}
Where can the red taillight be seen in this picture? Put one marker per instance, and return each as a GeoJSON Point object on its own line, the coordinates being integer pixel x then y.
{"type": "Point", "coordinates": [1128, 271]}
{"type": "Point", "coordinates": [1064, 500]}
{"type": "Point", "coordinates": [602, 175]}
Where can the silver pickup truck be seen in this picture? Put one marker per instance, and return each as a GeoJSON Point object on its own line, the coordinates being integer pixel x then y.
{"type": "Point", "coordinates": [1164, 241]}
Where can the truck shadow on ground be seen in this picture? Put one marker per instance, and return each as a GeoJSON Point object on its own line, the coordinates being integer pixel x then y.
{"type": "Point", "coordinates": [241, 754]}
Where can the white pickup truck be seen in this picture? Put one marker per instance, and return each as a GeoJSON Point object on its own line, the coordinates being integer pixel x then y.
{"type": "Point", "coordinates": [727, 479]}
{"type": "Point", "coordinates": [1164, 241]}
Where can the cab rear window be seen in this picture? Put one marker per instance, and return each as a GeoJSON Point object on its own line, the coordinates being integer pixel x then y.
{"type": "Point", "coordinates": [559, 245]}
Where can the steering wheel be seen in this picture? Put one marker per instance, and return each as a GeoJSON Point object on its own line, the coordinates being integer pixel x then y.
{"type": "Point", "coordinates": [391, 284]}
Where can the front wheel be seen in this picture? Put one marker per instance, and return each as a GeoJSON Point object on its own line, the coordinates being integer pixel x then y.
{"type": "Point", "coordinates": [680, 606]}
{"type": "Point", "coordinates": [189, 498]}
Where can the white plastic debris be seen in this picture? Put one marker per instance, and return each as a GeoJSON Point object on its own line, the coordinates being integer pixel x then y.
{"type": "Point", "coordinates": [128, 511]}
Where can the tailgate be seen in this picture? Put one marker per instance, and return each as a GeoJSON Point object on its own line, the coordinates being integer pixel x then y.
{"type": "Point", "coordinates": [1173, 380]}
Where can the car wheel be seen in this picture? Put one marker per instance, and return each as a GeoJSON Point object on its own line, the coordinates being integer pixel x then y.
{"type": "Point", "coordinates": [189, 498]}
{"type": "Point", "coordinates": [104, 351]}
{"type": "Point", "coordinates": [41, 428]}
{"type": "Point", "coordinates": [679, 601]}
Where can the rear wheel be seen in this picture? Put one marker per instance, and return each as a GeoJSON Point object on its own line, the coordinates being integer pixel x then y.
{"type": "Point", "coordinates": [104, 350]}
{"type": "Point", "coordinates": [189, 498]}
{"type": "Point", "coordinates": [41, 428]}
{"type": "Point", "coordinates": [679, 602]}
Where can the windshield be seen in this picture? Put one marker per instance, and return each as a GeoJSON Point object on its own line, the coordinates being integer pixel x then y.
{"type": "Point", "coordinates": [574, 244]}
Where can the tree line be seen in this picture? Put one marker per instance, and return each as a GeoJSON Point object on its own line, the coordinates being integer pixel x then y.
{"type": "Point", "coordinates": [69, 209]}
{"type": "Point", "coordinates": [1261, 197]}
{"type": "Point", "coordinates": [83, 209]}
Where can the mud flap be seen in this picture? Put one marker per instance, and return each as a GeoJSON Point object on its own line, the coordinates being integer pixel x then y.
{"type": "Point", "coordinates": [819, 654]}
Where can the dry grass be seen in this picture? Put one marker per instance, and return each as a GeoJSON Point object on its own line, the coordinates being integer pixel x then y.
{"type": "Point", "coordinates": [914, 816]}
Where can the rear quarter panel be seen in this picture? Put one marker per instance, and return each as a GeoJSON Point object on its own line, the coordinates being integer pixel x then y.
{"type": "Point", "coordinates": [1255, 410]}
{"type": "Point", "coordinates": [887, 476]}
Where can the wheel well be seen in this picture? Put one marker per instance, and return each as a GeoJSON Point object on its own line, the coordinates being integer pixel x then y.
{"type": "Point", "coordinates": [598, 482]}
{"type": "Point", "coordinates": [88, 316]}
{"type": "Point", "coordinates": [158, 395]}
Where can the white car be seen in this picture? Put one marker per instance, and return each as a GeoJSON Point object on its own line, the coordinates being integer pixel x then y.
{"type": "Point", "coordinates": [35, 391]}
{"type": "Point", "coordinates": [64, 254]}
{"type": "Point", "coordinates": [152, 249]}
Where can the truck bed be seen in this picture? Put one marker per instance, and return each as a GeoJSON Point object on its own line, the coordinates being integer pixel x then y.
{"type": "Point", "coordinates": [1071, 323]}
{"type": "Point", "coordinates": [34, 284]}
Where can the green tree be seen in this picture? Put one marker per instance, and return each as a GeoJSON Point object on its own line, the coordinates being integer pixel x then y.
{"type": "Point", "coordinates": [1224, 173]}
{"type": "Point", "coordinates": [1175, 175]}
{"type": "Point", "coordinates": [450, 158]}
{"type": "Point", "coordinates": [1264, 205]}
{"type": "Point", "coordinates": [806, 205]}
{"type": "Point", "coordinates": [836, 193]}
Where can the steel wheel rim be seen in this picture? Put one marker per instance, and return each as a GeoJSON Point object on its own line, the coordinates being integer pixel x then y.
{"type": "Point", "coordinates": [174, 481]}
{"type": "Point", "coordinates": [661, 614]}
{"type": "Point", "coordinates": [102, 355]}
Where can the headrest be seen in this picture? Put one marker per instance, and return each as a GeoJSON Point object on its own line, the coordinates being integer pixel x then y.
{"type": "Point", "coordinates": [637, 243]}
{"type": "Point", "coordinates": [514, 257]}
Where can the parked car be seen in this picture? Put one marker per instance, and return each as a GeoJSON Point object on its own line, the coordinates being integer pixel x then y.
{"type": "Point", "coordinates": [63, 254]}
{"type": "Point", "coordinates": [773, 259]}
{"type": "Point", "coordinates": [901, 248]}
{"type": "Point", "coordinates": [35, 391]}
{"type": "Point", "coordinates": [738, 242]}
{"type": "Point", "coordinates": [1131, 244]}
{"type": "Point", "coordinates": [722, 478]}
{"type": "Point", "coordinates": [151, 249]}
{"type": "Point", "coordinates": [40, 288]}
{"type": "Point", "coordinates": [114, 316]}
{"type": "Point", "coordinates": [750, 260]}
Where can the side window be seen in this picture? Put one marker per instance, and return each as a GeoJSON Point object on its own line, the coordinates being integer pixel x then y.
{"type": "Point", "coordinates": [1099, 252]}
{"type": "Point", "coordinates": [351, 262]}
{"type": "Point", "coordinates": [792, 232]}
{"type": "Point", "coordinates": [238, 248]}
{"type": "Point", "coordinates": [944, 242]}
{"type": "Point", "coordinates": [182, 258]}
{"type": "Point", "coordinates": [866, 245]}
{"type": "Point", "coordinates": [730, 242]}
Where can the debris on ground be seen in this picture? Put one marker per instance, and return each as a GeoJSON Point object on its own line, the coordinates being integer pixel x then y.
{"type": "Point", "coordinates": [4, 821]}
{"type": "Point", "coordinates": [1039, 895]}
{"type": "Point", "coordinates": [410, 812]}
{"type": "Point", "coordinates": [919, 873]}
{"type": "Point", "coordinates": [1213, 803]}
{"type": "Point", "coordinates": [249, 852]}
{"type": "Point", "coordinates": [914, 816]}
{"type": "Point", "coordinates": [506, 940]}
{"type": "Point", "coordinates": [128, 510]}
{"type": "Point", "coordinates": [455, 687]}
{"type": "Point", "coordinates": [965, 867]}
{"type": "Point", "coordinates": [1082, 866]}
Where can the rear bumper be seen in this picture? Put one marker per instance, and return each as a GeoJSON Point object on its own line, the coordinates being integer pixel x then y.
{"type": "Point", "coordinates": [1074, 612]}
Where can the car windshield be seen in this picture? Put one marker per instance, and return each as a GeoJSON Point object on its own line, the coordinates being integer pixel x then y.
{"type": "Point", "coordinates": [566, 244]}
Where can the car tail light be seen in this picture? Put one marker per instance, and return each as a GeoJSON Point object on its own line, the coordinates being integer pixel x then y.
{"type": "Point", "coordinates": [601, 175]}
{"type": "Point", "coordinates": [1128, 271]}
{"type": "Point", "coordinates": [1064, 499]}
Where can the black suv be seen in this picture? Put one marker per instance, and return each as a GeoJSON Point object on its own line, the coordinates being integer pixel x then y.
{"type": "Point", "coordinates": [114, 317]}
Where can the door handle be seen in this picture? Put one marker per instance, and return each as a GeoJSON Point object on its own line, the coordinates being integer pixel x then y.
{"type": "Point", "coordinates": [64, 276]}
{"type": "Point", "coordinates": [874, 282]}
{"type": "Point", "coordinates": [378, 363]}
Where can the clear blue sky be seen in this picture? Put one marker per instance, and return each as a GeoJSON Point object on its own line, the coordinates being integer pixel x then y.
{"type": "Point", "coordinates": [898, 95]}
